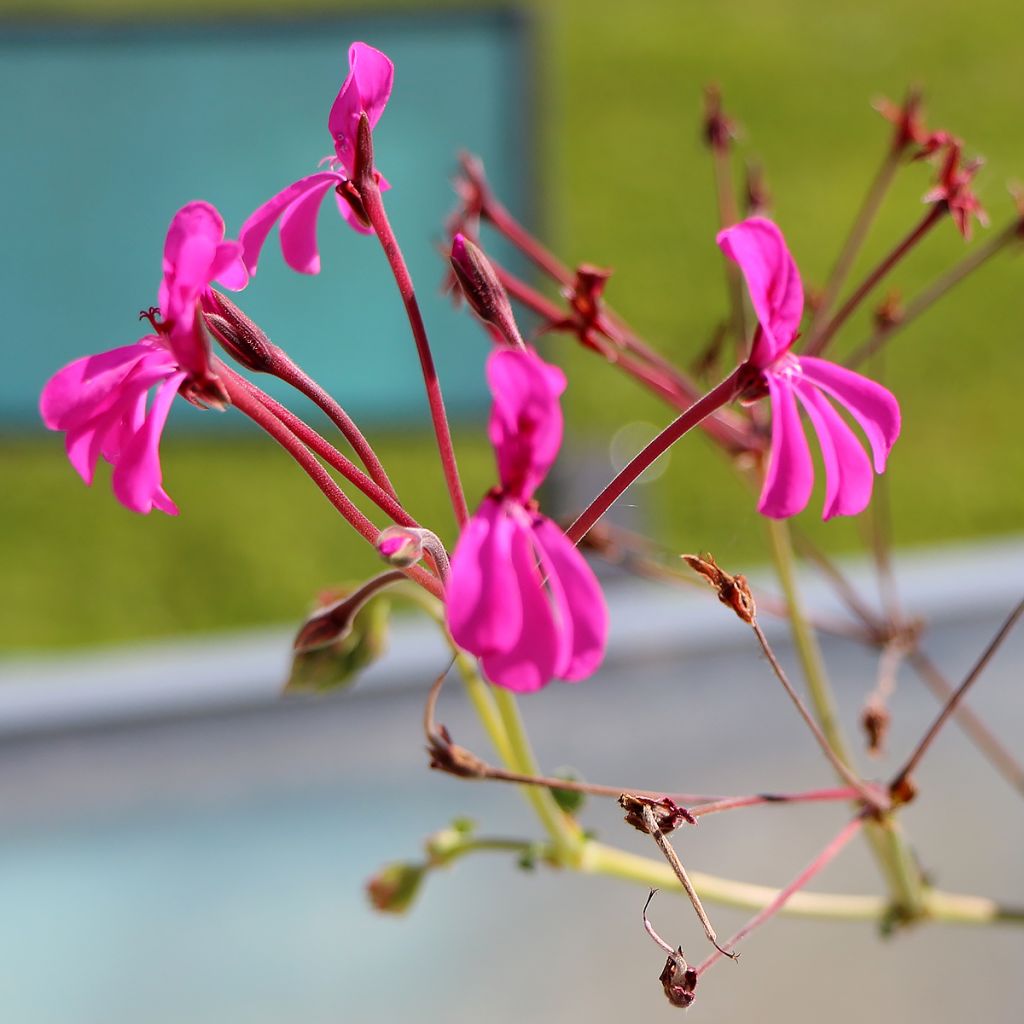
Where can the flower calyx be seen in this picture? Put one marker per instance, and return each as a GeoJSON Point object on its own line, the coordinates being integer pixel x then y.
{"type": "Point", "coordinates": [668, 815]}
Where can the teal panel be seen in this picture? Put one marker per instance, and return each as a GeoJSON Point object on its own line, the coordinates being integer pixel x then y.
{"type": "Point", "coordinates": [108, 130]}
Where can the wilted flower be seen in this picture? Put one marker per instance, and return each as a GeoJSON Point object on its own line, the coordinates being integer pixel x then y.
{"type": "Point", "coordinates": [776, 292]}
{"type": "Point", "coordinates": [99, 401]}
{"type": "Point", "coordinates": [365, 90]}
{"type": "Point", "coordinates": [520, 596]}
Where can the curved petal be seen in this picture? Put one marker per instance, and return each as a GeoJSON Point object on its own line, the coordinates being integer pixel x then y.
{"type": "Point", "coordinates": [228, 268]}
{"type": "Point", "coordinates": [137, 476]}
{"type": "Point", "coordinates": [482, 601]}
{"type": "Point", "coordinates": [578, 600]}
{"type": "Point", "coordinates": [526, 418]}
{"type": "Point", "coordinates": [533, 660]}
{"type": "Point", "coordinates": [848, 477]}
{"type": "Point", "coordinates": [873, 407]}
{"type": "Point", "coordinates": [790, 476]}
{"type": "Point", "coordinates": [257, 226]}
{"type": "Point", "coordinates": [776, 292]}
{"type": "Point", "coordinates": [298, 230]}
{"type": "Point", "coordinates": [190, 248]}
{"type": "Point", "coordinates": [73, 391]}
{"type": "Point", "coordinates": [367, 87]}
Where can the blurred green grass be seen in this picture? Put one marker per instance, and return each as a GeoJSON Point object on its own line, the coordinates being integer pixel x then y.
{"type": "Point", "coordinates": [624, 182]}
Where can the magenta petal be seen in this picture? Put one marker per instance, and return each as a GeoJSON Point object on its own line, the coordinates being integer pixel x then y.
{"type": "Point", "coordinates": [578, 597]}
{"type": "Point", "coordinates": [534, 658]}
{"type": "Point", "coordinates": [74, 390]}
{"type": "Point", "coordinates": [526, 418]}
{"type": "Point", "coordinates": [298, 231]}
{"type": "Point", "coordinates": [482, 596]}
{"type": "Point", "coordinates": [257, 226]}
{"type": "Point", "coordinates": [137, 476]}
{"type": "Point", "coordinates": [848, 476]}
{"type": "Point", "coordinates": [228, 268]}
{"type": "Point", "coordinates": [873, 407]}
{"type": "Point", "coordinates": [776, 292]}
{"type": "Point", "coordinates": [366, 88]}
{"type": "Point", "coordinates": [790, 476]}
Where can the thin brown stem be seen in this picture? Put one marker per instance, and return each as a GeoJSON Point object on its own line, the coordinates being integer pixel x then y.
{"type": "Point", "coordinates": [903, 775]}
{"type": "Point", "coordinates": [871, 798]}
{"type": "Point", "coordinates": [670, 855]}
{"type": "Point", "coordinates": [782, 897]}
{"type": "Point", "coordinates": [983, 738]}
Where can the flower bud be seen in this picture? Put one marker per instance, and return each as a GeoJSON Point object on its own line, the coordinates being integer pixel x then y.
{"type": "Point", "coordinates": [400, 546]}
{"type": "Point", "coordinates": [242, 339]}
{"type": "Point", "coordinates": [394, 888]}
{"type": "Point", "coordinates": [484, 292]}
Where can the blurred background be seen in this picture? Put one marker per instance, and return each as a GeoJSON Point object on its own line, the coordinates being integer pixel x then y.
{"type": "Point", "coordinates": [176, 844]}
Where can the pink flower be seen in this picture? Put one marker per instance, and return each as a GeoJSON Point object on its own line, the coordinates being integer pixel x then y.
{"type": "Point", "coordinates": [520, 596]}
{"type": "Point", "coordinates": [777, 295]}
{"type": "Point", "coordinates": [99, 401]}
{"type": "Point", "coordinates": [365, 90]}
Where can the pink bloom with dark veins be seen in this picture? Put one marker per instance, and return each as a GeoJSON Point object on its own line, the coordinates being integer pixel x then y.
{"type": "Point", "coordinates": [365, 90]}
{"type": "Point", "coordinates": [100, 401]}
{"type": "Point", "coordinates": [520, 595]}
{"type": "Point", "coordinates": [773, 281]}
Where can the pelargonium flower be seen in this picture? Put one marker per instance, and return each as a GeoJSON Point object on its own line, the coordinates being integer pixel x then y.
{"type": "Point", "coordinates": [520, 595]}
{"type": "Point", "coordinates": [99, 401]}
{"type": "Point", "coordinates": [365, 90]}
{"type": "Point", "coordinates": [776, 292]}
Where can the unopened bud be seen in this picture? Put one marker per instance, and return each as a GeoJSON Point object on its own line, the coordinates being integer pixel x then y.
{"type": "Point", "coordinates": [570, 800]}
{"type": "Point", "coordinates": [400, 546]}
{"type": "Point", "coordinates": [484, 292]}
{"type": "Point", "coordinates": [394, 888]}
{"type": "Point", "coordinates": [239, 336]}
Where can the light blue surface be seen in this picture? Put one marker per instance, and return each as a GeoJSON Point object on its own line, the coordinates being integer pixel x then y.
{"type": "Point", "coordinates": [107, 131]}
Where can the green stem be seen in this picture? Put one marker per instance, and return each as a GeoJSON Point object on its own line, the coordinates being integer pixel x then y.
{"type": "Point", "coordinates": [884, 835]}
{"type": "Point", "coordinates": [599, 859]}
{"type": "Point", "coordinates": [484, 705]}
{"type": "Point", "coordinates": [565, 834]}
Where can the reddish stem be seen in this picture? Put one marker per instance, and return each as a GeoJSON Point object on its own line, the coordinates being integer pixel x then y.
{"type": "Point", "coordinates": [263, 417]}
{"type": "Point", "coordinates": [714, 399]}
{"type": "Point", "coordinates": [292, 374]}
{"type": "Point", "coordinates": [369, 191]}
{"type": "Point", "coordinates": [384, 500]}
{"type": "Point", "coordinates": [812, 796]}
{"type": "Point", "coordinates": [825, 857]}
{"type": "Point", "coordinates": [930, 219]}
{"type": "Point", "coordinates": [507, 225]}
{"type": "Point", "coordinates": [661, 378]}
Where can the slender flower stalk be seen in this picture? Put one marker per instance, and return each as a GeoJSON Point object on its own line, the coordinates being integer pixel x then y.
{"type": "Point", "coordinates": [829, 330]}
{"type": "Point", "coordinates": [369, 191]}
{"type": "Point", "coordinates": [722, 393]}
{"type": "Point", "coordinates": [870, 206]}
{"type": "Point", "coordinates": [921, 303]}
{"type": "Point", "coordinates": [248, 404]}
{"type": "Point", "coordinates": [904, 774]}
{"type": "Point", "coordinates": [323, 449]}
{"type": "Point", "coordinates": [824, 858]}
